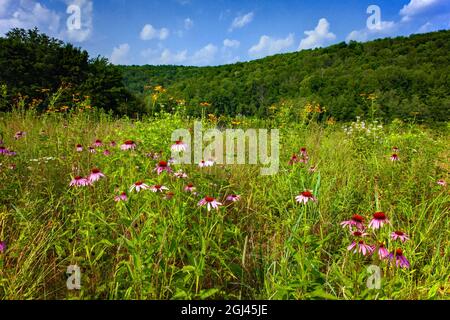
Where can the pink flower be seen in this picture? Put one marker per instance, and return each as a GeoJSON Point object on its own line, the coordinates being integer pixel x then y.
{"type": "Point", "coordinates": [138, 186]}
{"type": "Point", "coordinates": [180, 174]}
{"type": "Point", "coordinates": [205, 164]}
{"type": "Point", "coordinates": [79, 148]}
{"type": "Point", "coordinates": [403, 237]}
{"type": "Point", "coordinates": [92, 150]}
{"type": "Point", "coordinates": [121, 197]}
{"type": "Point", "coordinates": [233, 198]}
{"type": "Point", "coordinates": [179, 146]}
{"type": "Point", "coordinates": [169, 195]}
{"type": "Point", "coordinates": [442, 182]}
{"type": "Point", "coordinates": [305, 197]}
{"type": "Point", "coordinates": [163, 166]}
{"type": "Point", "coordinates": [95, 175]}
{"type": "Point", "coordinates": [3, 150]}
{"type": "Point", "coordinates": [189, 188]}
{"type": "Point", "coordinates": [113, 144]}
{"type": "Point", "coordinates": [356, 220]}
{"type": "Point", "coordinates": [395, 157]}
{"type": "Point", "coordinates": [210, 203]}
{"type": "Point", "coordinates": [304, 152]}
{"type": "Point", "coordinates": [359, 234]}
{"type": "Point", "coordinates": [395, 149]}
{"type": "Point", "coordinates": [379, 219]}
{"type": "Point", "coordinates": [128, 145]}
{"type": "Point", "coordinates": [2, 247]}
{"type": "Point", "coordinates": [360, 247]}
{"type": "Point", "coordinates": [294, 159]}
{"type": "Point", "coordinates": [159, 188]}
{"type": "Point", "coordinates": [19, 135]}
{"type": "Point", "coordinates": [107, 153]}
{"type": "Point", "coordinates": [401, 260]}
{"type": "Point", "coordinates": [383, 253]}
{"type": "Point", "coordinates": [80, 182]}
{"type": "Point", "coordinates": [98, 143]}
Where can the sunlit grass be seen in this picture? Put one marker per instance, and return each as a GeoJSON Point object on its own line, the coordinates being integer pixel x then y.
{"type": "Point", "coordinates": [265, 246]}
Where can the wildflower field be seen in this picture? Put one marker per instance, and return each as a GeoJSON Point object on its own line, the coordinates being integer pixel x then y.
{"type": "Point", "coordinates": [101, 193]}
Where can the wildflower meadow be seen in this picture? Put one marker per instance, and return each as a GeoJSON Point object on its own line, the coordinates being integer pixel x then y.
{"type": "Point", "coordinates": [103, 195]}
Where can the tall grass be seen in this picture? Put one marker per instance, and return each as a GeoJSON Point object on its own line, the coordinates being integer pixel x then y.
{"type": "Point", "coordinates": [266, 246]}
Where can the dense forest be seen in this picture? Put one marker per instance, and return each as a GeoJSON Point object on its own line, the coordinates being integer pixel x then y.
{"type": "Point", "coordinates": [405, 77]}
{"type": "Point", "coordinates": [45, 73]}
{"type": "Point", "coordinates": [409, 76]}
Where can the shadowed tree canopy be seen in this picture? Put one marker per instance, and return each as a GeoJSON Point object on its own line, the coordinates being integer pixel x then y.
{"type": "Point", "coordinates": [35, 65]}
{"type": "Point", "coordinates": [409, 75]}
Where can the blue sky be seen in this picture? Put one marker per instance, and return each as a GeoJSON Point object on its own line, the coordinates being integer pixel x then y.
{"type": "Point", "coordinates": [214, 32]}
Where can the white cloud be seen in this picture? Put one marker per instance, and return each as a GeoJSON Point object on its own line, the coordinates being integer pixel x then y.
{"type": "Point", "coordinates": [4, 4]}
{"type": "Point", "coordinates": [318, 37]}
{"type": "Point", "coordinates": [164, 56]}
{"type": "Point", "coordinates": [241, 21]}
{"type": "Point", "coordinates": [28, 14]}
{"type": "Point", "coordinates": [231, 43]}
{"type": "Point", "coordinates": [85, 32]}
{"type": "Point", "coordinates": [188, 23]}
{"type": "Point", "coordinates": [205, 55]}
{"type": "Point", "coordinates": [149, 32]}
{"type": "Point", "coordinates": [383, 29]}
{"type": "Point", "coordinates": [420, 7]}
{"type": "Point", "coordinates": [120, 54]}
{"type": "Point", "coordinates": [269, 46]}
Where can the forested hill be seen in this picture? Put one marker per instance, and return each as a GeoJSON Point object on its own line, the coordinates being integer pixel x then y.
{"type": "Point", "coordinates": [409, 75]}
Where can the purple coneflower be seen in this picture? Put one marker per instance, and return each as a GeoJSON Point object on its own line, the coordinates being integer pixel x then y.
{"type": "Point", "coordinates": [79, 148]}
{"type": "Point", "coordinates": [180, 174]}
{"type": "Point", "coordinates": [379, 219]}
{"type": "Point", "coordinates": [189, 188]}
{"type": "Point", "coordinates": [179, 146]}
{"type": "Point", "coordinates": [138, 186]}
{"type": "Point", "coordinates": [383, 253]}
{"type": "Point", "coordinates": [19, 135]}
{"type": "Point", "coordinates": [3, 150]}
{"type": "Point", "coordinates": [210, 203]}
{"type": "Point", "coordinates": [356, 220]}
{"type": "Point", "coordinates": [92, 150]}
{"type": "Point", "coordinates": [98, 143]}
{"type": "Point", "coordinates": [399, 235]}
{"type": "Point", "coordinates": [304, 152]}
{"type": "Point", "coordinates": [442, 182]}
{"type": "Point", "coordinates": [107, 153]}
{"type": "Point", "coordinates": [294, 159]}
{"type": "Point", "coordinates": [128, 145]}
{"type": "Point", "coordinates": [163, 166]}
{"type": "Point", "coordinates": [2, 247]}
{"type": "Point", "coordinates": [112, 144]}
{"type": "Point", "coordinates": [159, 188]}
{"type": "Point", "coordinates": [80, 182]}
{"type": "Point", "coordinates": [95, 175]}
{"type": "Point", "coordinates": [395, 157]}
{"type": "Point", "coordinates": [305, 197]}
{"type": "Point", "coordinates": [401, 260]}
{"type": "Point", "coordinates": [360, 247]}
{"type": "Point", "coordinates": [234, 198]}
{"type": "Point", "coordinates": [121, 197]}
{"type": "Point", "coordinates": [395, 149]}
{"type": "Point", "coordinates": [312, 169]}
{"type": "Point", "coordinates": [169, 195]}
{"type": "Point", "coordinates": [205, 164]}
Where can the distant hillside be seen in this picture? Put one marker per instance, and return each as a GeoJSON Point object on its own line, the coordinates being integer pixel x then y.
{"type": "Point", "coordinates": [410, 75]}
